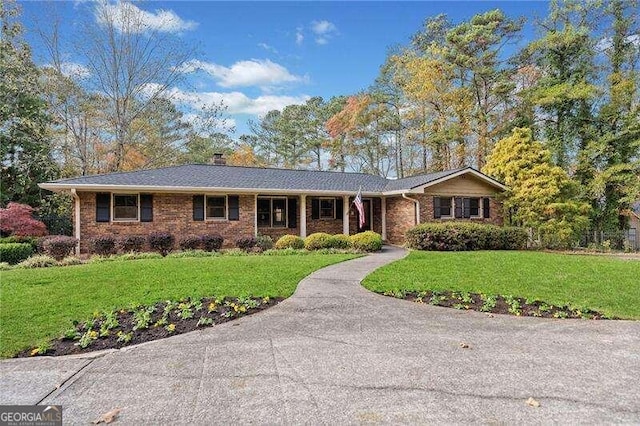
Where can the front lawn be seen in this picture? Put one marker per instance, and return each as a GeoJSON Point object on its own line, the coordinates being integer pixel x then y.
{"type": "Point", "coordinates": [608, 285]}
{"type": "Point", "coordinates": [39, 304]}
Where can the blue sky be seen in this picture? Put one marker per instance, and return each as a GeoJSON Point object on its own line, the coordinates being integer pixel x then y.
{"type": "Point", "coordinates": [262, 55]}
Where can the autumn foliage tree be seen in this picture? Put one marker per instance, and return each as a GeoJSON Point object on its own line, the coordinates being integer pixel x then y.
{"type": "Point", "coordinates": [17, 219]}
{"type": "Point", "coordinates": [540, 195]}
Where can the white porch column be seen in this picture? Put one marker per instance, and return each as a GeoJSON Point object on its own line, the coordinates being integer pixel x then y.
{"type": "Point", "coordinates": [76, 219]}
{"type": "Point", "coordinates": [303, 216]}
{"type": "Point", "coordinates": [384, 218]}
{"type": "Point", "coordinates": [255, 215]}
{"type": "Point", "coordinates": [345, 214]}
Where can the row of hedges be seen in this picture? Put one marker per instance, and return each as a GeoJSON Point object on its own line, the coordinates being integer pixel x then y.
{"type": "Point", "coordinates": [464, 236]}
{"type": "Point", "coordinates": [16, 249]}
{"type": "Point", "coordinates": [364, 241]}
{"type": "Point", "coordinates": [161, 242]}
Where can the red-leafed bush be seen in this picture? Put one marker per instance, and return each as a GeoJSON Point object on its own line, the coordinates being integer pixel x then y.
{"type": "Point", "coordinates": [59, 246]}
{"type": "Point", "coordinates": [162, 242]}
{"type": "Point", "coordinates": [131, 243]}
{"type": "Point", "coordinates": [190, 242]}
{"type": "Point", "coordinates": [212, 242]}
{"type": "Point", "coordinates": [104, 246]}
{"type": "Point", "coordinates": [246, 243]}
{"type": "Point", "coordinates": [17, 219]}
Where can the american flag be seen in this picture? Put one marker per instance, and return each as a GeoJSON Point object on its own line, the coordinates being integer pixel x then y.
{"type": "Point", "coordinates": [360, 207]}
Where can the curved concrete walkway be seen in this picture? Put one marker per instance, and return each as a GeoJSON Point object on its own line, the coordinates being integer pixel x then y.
{"type": "Point", "coordinates": [336, 353]}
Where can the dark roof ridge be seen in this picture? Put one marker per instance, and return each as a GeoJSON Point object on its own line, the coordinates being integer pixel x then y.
{"type": "Point", "coordinates": [122, 172]}
{"type": "Point", "coordinates": [282, 168]}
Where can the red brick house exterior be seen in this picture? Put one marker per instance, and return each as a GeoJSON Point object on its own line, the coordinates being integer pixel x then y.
{"type": "Point", "coordinates": [241, 201]}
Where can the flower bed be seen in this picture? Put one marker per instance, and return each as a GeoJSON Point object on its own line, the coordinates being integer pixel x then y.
{"type": "Point", "coordinates": [117, 329]}
{"type": "Point", "coordinates": [495, 304]}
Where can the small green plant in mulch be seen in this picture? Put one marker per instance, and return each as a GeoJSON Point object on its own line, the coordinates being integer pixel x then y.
{"type": "Point", "coordinates": [497, 304]}
{"type": "Point", "coordinates": [115, 329]}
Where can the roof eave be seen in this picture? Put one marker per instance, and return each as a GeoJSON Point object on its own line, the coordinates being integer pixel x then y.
{"type": "Point", "coordinates": [52, 186]}
{"type": "Point", "coordinates": [420, 188]}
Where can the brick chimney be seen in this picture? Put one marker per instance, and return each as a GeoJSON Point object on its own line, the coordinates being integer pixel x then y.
{"type": "Point", "coordinates": [218, 159]}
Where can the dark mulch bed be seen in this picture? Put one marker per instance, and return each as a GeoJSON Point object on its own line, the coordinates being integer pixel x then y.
{"type": "Point", "coordinates": [117, 329]}
{"type": "Point", "coordinates": [496, 304]}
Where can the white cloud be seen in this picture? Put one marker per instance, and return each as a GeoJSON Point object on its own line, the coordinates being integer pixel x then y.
{"type": "Point", "coordinates": [236, 102]}
{"type": "Point", "coordinates": [254, 72]}
{"type": "Point", "coordinates": [607, 42]}
{"type": "Point", "coordinates": [299, 36]}
{"type": "Point", "coordinates": [323, 27]}
{"type": "Point", "coordinates": [73, 70]}
{"type": "Point", "coordinates": [196, 121]}
{"type": "Point", "coordinates": [268, 47]}
{"type": "Point", "coordinates": [324, 31]}
{"type": "Point", "coordinates": [128, 17]}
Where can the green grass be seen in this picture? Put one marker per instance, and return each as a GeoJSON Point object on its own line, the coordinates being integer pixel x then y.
{"type": "Point", "coordinates": [608, 285]}
{"type": "Point", "coordinates": [37, 305]}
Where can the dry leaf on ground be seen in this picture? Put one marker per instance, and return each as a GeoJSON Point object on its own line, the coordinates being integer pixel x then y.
{"type": "Point", "coordinates": [532, 402]}
{"type": "Point", "coordinates": [107, 417]}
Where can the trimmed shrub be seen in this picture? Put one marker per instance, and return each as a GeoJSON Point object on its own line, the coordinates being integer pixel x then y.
{"type": "Point", "coordinates": [162, 242]}
{"type": "Point", "coordinates": [39, 261]}
{"type": "Point", "coordinates": [290, 241]}
{"type": "Point", "coordinates": [104, 245]}
{"type": "Point", "coordinates": [256, 250]}
{"type": "Point", "coordinates": [514, 238]}
{"type": "Point", "coordinates": [464, 236]}
{"type": "Point", "coordinates": [265, 242]}
{"type": "Point", "coordinates": [190, 242]}
{"type": "Point", "coordinates": [59, 246]}
{"type": "Point", "coordinates": [246, 243]}
{"type": "Point", "coordinates": [212, 242]}
{"type": "Point", "coordinates": [13, 253]}
{"type": "Point", "coordinates": [340, 241]}
{"type": "Point", "coordinates": [131, 243]}
{"type": "Point", "coordinates": [33, 241]}
{"type": "Point", "coordinates": [317, 241]}
{"type": "Point", "coordinates": [366, 241]}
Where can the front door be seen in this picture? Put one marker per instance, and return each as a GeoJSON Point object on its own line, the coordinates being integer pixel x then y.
{"type": "Point", "coordinates": [367, 216]}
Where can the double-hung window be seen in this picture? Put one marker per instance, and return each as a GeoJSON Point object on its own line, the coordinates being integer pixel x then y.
{"type": "Point", "coordinates": [216, 207]}
{"type": "Point", "coordinates": [126, 207]}
{"type": "Point", "coordinates": [459, 207]}
{"type": "Point", "coordinates": [272, 212]}
{"type": "Point", "coordinates": [444, 207]}
{"type": "Point", "coordinates": [474, 208]}
{"type": "Point", "coordinates": [327, 208]}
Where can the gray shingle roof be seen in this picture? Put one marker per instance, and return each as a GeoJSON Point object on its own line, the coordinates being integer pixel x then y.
{"type": "Point", "coordinates": [218, 176]}
{"type": "Point", "coordinates": [418, 180]}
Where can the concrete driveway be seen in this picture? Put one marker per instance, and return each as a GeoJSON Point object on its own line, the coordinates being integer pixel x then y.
{"type": "Point", "coordinates": [336, 353]}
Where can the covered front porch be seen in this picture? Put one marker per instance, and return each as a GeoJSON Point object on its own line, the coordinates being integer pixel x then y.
{"type": "Point", "coordinates": [277, 215]}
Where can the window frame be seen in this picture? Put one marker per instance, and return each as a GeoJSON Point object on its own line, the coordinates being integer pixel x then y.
{"type": "Point", "coordinates": [113, 206]}
{"type": "Point", "coordinates": [480, 211]}
{"type": "Point", "coordinates": [333, 201]}
{"type": "Point", "coordinates": [271, 212]}
{"type": "Point", "coordinates": [452, 207]}
{"type": "Point", "coordinates": [206, 207]}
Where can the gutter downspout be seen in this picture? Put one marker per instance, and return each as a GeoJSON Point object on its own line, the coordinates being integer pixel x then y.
{"type": "Point", "coordinates": [76, 225]}
{"type": "Point", "coordinates": [417, 203]}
